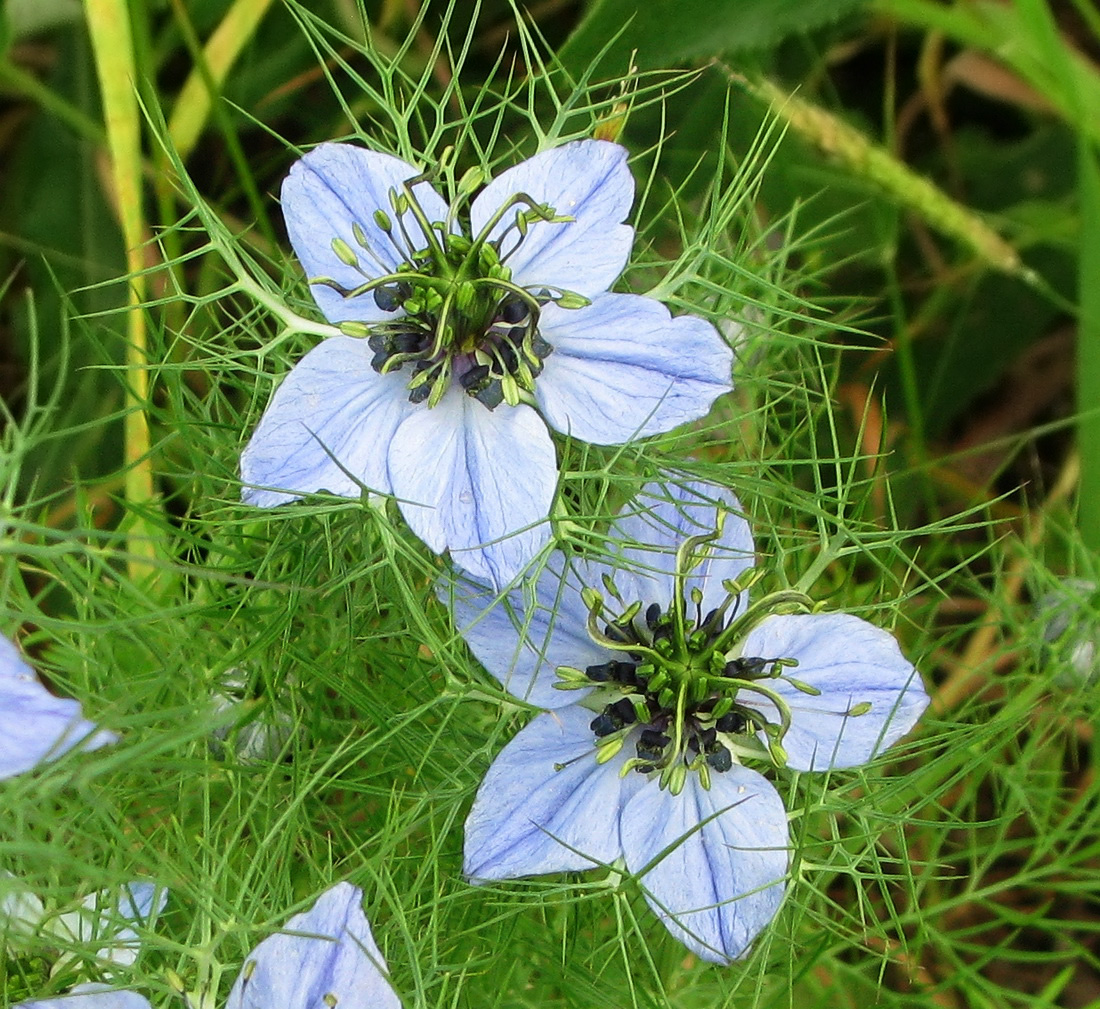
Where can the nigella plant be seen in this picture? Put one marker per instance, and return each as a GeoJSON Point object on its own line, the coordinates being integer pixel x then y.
{"type": "Point", "coordinates": [325, 958]}
{"type": "Point", "coordinates": [468, 328]}
{"type": "Point", "coordinates": [36, 726]}
{"type": "Point", "coordinates": [664, 684]}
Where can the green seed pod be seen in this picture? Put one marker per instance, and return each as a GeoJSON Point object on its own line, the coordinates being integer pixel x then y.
{"type": "Point", "coordinates": [472, 180]}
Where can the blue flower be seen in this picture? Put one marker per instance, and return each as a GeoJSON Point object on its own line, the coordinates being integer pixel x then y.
{"type": "Point", "coordinates": [111, 918]}
{"type": "Point", "coordinates": [107, 917]}
{"type": "Point", "coordinates": [35, 726]}
{"type": "Point", "coordinates": [330, 959]}
{"type": "Point", "coordinates": [90, 996]}
{"type": "Point", "coordinates": [326, 957]}
{"type": "Point", "coordinates": [465, 340]}
{"type": "Point", "coordinates": [672, 681]}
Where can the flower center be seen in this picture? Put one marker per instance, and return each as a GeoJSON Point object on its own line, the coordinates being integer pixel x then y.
{"type": "Point", "coordinates": [684, 714]}
{"type": "Point", "coordinates": [680, 689]}
{"type": "Point", "coordinates": [457, 315]}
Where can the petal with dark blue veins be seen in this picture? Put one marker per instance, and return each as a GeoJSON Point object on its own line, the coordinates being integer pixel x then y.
{"type": "Point", "coordinates": [623, 367]}
{"type": "Point", "coordinates": [651, 528]}
{"type": "Point", "coordinates": [333, 193]}
{"type": "Point", "coordinates": [587, 180]}
{"type": "Point", "coordinates": [712, 861]}
{"type": "Point", "coordinates": [545, 805]}
{"type": "Point", "coordinates": [869, 693]}
{"type": "Point", "coordinates": [476, 482]}
{"type": "Point", "coordinates": [523, 638]}
{"type": "Point", "coordinates": [327, 427]}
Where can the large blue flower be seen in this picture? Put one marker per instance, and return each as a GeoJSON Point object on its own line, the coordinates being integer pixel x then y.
{"type": "Point", "coordinates": [326, 957]}
{"type": "Point", "coordinates": [672, 682]}
{"type": "Point", "coordinates": [35, 726]}
{"type": "Point", "coordinates": [468, 331]}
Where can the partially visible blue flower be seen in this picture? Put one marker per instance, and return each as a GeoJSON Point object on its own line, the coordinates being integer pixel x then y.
{"type": "Point", "coordinates": [673, 682]}
{"type": "Point", "coordinates": [90, 996]}
{"type": "Point", "coordinates": [465, 340]}
{"type": "Point", "coordinates": [108, 917]}
{"type": "Point", "coordinates": [112, 918]}
{"type": "Point", "coordinates": [328, 957]}
{"type": "Point", "coordinates": [35, 726]}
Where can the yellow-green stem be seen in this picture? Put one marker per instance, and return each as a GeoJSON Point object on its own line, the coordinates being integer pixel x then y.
{"type": "Point", "coordinates": [873, 163]}
{"type": "Point", "coordinates": [111, 38]}
{"type": "Point", "coordinates": [193, 106]}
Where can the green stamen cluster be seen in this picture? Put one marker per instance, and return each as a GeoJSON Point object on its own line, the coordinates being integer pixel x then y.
{"type": "Point", "coordinates": [458, 316]}
{"type": "Point", "coordinates": [678, 688]}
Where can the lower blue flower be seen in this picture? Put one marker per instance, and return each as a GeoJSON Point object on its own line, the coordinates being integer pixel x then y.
{"type": "Point", "coordinates": [663, 681]}
{"type": "Point", "coordinates": [109, 917]}
{"type": "Point", "coordinates": [325, 959]}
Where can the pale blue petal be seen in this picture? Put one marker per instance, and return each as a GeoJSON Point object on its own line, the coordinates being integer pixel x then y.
{"type": "Point", "coordinates": [651, 528]}
{"type": "Point", "coordinates": [333, 187]}
{"type": "Point", "coordinates": [90, 996]}
{"type": "Point", "coordinates": [476, 482]}
{"type": "Point", "coordinates": [36, 726]}
{"type": "Point", "coordinates": [850, 661]}
{"type": "Point", "coordinates": [335, 955]}
{"type": "Point", "coordinates": [624, 368]}
{"type": "Point", "coordinates": [545, 805]}
{"type": "Point", "coordinates": [723, 882]}
{"type": "Point", "coordinates": [109, 916]}
{"type": "Point", "coordinates": [141, 902]}
{"type": "Point", "coordinates": [522, 640]}
{"type": "Point", "coordinates": [588, 180]}
{"type": "Point", "coordinates": [333, 413]}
